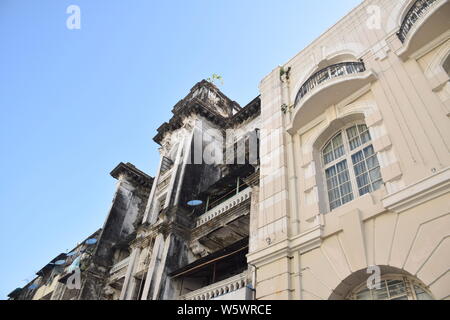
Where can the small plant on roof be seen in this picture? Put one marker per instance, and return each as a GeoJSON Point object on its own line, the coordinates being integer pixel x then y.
{"type": "Point", "coordinates": [215, 77]}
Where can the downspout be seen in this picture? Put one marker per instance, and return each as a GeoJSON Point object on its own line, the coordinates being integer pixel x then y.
{"type": "Point", "coordinates": [292, 178]}
{"type": "Point", "coordinates": [253, 288]}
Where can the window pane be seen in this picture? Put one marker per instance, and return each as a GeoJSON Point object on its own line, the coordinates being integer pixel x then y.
{"type": "Point", "coordinates": [377, 185]}
{"type": "Point", "coordinates": [346, 189]}
{"type": "Point", "coordinates": [365, 137]}
{"type": "Point", "coordinates": [331, 172]}
{"type": "Point", "coordinates": [328, 148]}
{"type": "Point", "coordinates": [357, 157]}
{"type": "Point", "coordinates": [358, 135]}
{"type": "Point", "coordinates": [337, 141]}
{"type": "Point", "coordinates": [362, 128]}
{"type": "Point", "coordinates": [352, 132]}
{"type": "Point", "coordinates": [380, 294]}
{"type": "Point", "coordinates": [360, 168]}
{"type": "Point", "coordinates": [328, 153]}
{"type": "Point", "coordinates": [334, 194]}
{"type": "Point", "coordinates": [338, 184]}
{"type": "Point", "coordinates": [369, 151]}
{"type": "Point", "coordinates": [396, 288]}
{"type": "Point", "coordinates": [339, 152]}
{"type": "Point", "coordinates": [327, 158]}
{"type": "Point", "coordinates": [334, 205]}
{"type": "Point", "coordinates": [353, 137]}
{"type": "Point", "coordinates": [372, 162]}
{"type": "Point", "coordinates": [392, 290]}
{"type": "Point", "coordinates": [375, 174]}
{"type": "Point", "coordinates": [343, 177]}
{"type": "Point", "coordinates": [364, 190]}
{"type": "Point", "coordinates": [341, 166]}
{"type": "Point", "coordinates": [421, 294]}
{"type": "Point", "coordinates": [347, 198]}
{"type": "Point", "coordinates": [332, 183]}
{"type": "Point", "coordinates": [333, 150]}
{"type": "Point", "coordinates": [367, 170]}
{"type": "Point", "coordinates": [354, 143]}
{"type": "Point", "coordinates": [362, 180]}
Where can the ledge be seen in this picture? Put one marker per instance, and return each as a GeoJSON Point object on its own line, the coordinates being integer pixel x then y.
{"type": "Point", "coordinates": [420, 192]}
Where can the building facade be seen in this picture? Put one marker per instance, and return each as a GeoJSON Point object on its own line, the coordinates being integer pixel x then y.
{"type": "Point", "coordinates": [338, 171]}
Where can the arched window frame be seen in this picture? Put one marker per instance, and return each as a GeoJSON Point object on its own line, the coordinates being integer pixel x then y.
{"type": "Point", "coordinates": [413, 288]}
{"type": "Point", "coordinates": [347, 156]}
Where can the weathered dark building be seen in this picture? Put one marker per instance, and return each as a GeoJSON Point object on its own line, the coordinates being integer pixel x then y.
{"type": "Point", "coordinates": [185, 233]}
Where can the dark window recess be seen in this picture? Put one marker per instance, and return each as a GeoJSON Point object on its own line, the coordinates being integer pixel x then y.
{"type": "Point", "coordinates": [214, 268]}
{"type": "Point", "coordinates": [166, 164]}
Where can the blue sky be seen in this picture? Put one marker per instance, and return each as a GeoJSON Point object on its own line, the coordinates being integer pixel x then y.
{"type": "Point", "coordinates": [75, 103]}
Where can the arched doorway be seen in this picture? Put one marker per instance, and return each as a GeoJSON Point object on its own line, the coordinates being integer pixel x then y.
{"type": "Point", "coordinates": [395, 284]}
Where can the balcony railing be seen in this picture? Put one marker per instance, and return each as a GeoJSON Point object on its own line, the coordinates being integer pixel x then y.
{"type": "Point", "coordinates": [328, 73]}
{"type": "Point", "coordinates": [119, 269]}
{"type": "Point", "coordinates": [218, 289]}
{"type": "Point", "coordinates": [418, 9]}
{"type": "Point", "coordinates": [224, 206]}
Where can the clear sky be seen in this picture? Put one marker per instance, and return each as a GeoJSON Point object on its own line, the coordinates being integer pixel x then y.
{"type": "Point", "coordinates": [75, 103]}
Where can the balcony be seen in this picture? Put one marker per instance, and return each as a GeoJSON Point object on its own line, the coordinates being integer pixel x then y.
{"type": "Point", "coordinates": [224, 207]}
{"type": "Point", "coordinates": [330, 72]}
{"type": "Point", "coordinates": [417, 11]}
{"type": "Point", "coordinates": [424, 22]}
{"type": "Point", "coordinates": [234, 288]}
{"type": "Point", "coordinates": [326, 87]}
{"type": "Point", "coordinates": [119, 270]}
{"type": "Point", "coordinates": [224, 224]}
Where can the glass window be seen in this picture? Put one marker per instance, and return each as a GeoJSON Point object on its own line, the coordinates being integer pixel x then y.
{"type": "Point", "coordinates": [338, 184]}
{"type": "Point", "coordinates": [351, 165]}
{"type": "Point", "coordinates": [393, 288]}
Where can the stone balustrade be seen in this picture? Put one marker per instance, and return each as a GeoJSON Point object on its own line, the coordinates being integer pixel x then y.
{"type": "Point", "coordinates": [219, 289]}
{"type": "Point", "coordinates": [224, 207]}
{"type": "Point", "coordinates": [119, 269]}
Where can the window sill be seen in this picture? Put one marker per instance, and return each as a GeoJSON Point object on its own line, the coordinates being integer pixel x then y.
{"type": "Point", "coordinates": [370, 205]}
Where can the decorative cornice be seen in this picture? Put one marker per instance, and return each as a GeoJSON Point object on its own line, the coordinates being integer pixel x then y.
{"type": "Point", "coordinates": [304, 242]}
{"type": "Point", "coordinates": [193, 105]}
{"type": "Point", "coordinates": [420, 192]}
{"type": "Point", "coordinates": [134, 173]}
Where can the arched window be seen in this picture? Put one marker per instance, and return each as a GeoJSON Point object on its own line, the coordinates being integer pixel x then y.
{"type": "Point", "coordinates": [392, 288]}
{"type": "Point", "coordinates": [350, 165]}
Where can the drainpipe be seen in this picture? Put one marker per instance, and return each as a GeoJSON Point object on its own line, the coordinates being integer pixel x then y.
{"type": "Point", "coordinates": [253, 289]}
{"type": "Point", "coordinates": [292, 177]}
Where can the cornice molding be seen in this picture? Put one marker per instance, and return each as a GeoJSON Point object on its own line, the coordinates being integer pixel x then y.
{"type": "Point", "coordinates": [419, 192]}
{"type": "Point", "coordinates": [302, 243]}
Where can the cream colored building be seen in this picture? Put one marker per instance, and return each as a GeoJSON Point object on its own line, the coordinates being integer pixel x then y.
{"type": "Point", "coordinates": [355, 158]}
